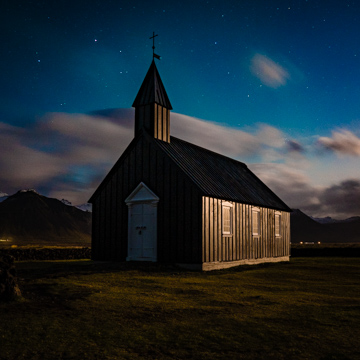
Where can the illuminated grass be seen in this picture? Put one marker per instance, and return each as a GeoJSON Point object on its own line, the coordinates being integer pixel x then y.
{"type": "Point", "coordinates": [306, 309]}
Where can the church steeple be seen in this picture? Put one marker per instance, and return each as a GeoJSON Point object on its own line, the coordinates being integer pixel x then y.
{"type": "Point", "coordinates": [152, 106]}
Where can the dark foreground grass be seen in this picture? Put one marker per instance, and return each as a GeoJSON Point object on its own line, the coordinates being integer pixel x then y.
{"type": "Point", "coordinates": [306, 309]}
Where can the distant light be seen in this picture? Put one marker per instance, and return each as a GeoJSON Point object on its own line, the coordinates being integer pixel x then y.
{"type": "Point", "coordinates": [95, 40]}
{"type": "Point", "coordinates": [318, 242]}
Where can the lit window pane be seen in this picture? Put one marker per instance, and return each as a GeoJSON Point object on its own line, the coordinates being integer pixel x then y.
{"type": "Point", "coordinates": [277, 225]}
{"type": "Point", "coordinates": [226, 220]}
{"type": "Point", "coordinates": [255, 222]}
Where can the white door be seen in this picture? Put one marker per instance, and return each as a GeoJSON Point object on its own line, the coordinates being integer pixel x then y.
{"type": "Point", "coordinates": [142, 232]}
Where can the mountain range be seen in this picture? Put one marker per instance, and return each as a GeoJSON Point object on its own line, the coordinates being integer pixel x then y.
{"type": "Point", "coordinates": [83, 207]}
{"type": "Point", "coordinates": [330, 220]}
{"type": "Point", "coordinates": [324, 230]}
{"type": "Point", "coordinates": [30, 218]}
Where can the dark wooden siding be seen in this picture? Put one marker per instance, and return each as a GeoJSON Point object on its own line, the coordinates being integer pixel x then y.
{"type": "Point", "coordinates": [242, 245]}
{"type": "Point", "coordinates": [95, 229]}
{"type": "Point", "coordinates": [179, 208]}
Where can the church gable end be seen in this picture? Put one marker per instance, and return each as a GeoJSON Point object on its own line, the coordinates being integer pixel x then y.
{"type": "Point", "coordinates": [141, 194]}
{"type": "Point", "coordinates": [145, 174]}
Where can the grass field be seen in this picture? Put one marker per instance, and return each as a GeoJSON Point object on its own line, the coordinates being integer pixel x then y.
{"type": "Point", "coordinates": [308, 308]}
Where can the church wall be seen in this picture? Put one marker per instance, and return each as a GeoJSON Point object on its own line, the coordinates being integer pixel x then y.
{"type": "Point", "coordinates": [242, 244]}
{"type": "Point", "coordinates": [179, 207]}
{"type": "Point", "coordinates": [189, 225]}
{"type": "Point", "coordinates": [95, 229]}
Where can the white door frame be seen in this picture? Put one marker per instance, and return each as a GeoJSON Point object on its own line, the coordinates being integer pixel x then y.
{"type": "Point", "coordinates": [141, 195]}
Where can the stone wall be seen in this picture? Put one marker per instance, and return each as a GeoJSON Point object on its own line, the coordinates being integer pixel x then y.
{"type": "Point", "coordinates": [316, 251]}
{"type": "Point", "coordinates": [22, 254]}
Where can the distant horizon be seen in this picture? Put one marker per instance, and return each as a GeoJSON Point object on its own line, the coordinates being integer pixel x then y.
{"type": "Point", "coordinates": [2, 194]}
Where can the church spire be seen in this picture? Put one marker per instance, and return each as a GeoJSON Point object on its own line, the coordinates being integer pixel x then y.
{"type": "Point", "coordinates": [152, 106]}
{"type": "Point", "coordinates": [152, 90]}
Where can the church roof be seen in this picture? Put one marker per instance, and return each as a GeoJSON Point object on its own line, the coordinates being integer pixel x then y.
{"type": "Point", "coordinates": [215, 175]}
{"type": "Point", "coordinates": [220, 176]}
{"type": "Point", "coordinates": [152, 90]}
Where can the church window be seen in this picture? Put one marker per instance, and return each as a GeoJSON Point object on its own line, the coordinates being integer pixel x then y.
{"type": "Point", "coordinates": [277, 224]}
{"type": "Point", "coordinates": [227, 218]}
{"type": "Point", "coordinates": [255, 221]}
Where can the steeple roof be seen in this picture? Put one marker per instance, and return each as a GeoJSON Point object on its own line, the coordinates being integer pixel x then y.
{"type": "Point", "coordinates": [152, 90]}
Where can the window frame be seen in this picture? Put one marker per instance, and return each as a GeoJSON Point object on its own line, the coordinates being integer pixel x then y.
{"type": "Point", "coordinates": [226, 205]}
{"type": "Point", "coordinates": [277, 216]}
{"type": "Point", "coordinates": [255, 210]}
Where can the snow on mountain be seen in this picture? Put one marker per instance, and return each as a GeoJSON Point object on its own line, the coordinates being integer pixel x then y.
{"type": "Point", "coordinates": [28, 190]}
{"type": "Point", "coordinates": [66, 202]}
{"type": "Point", "coordinates": [353, 218]}
{"type": "Point", "coordinates": [3, 196]}
{"type": "Point", "coordinates": [325, 220]}
{"type": "Point", "coordinates": [330, 220]}
{"type": "Point", "coordinates": [85, 207]}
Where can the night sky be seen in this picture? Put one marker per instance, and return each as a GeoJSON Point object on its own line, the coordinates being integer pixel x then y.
{"type": "Point", "coordinates": [275, 84]}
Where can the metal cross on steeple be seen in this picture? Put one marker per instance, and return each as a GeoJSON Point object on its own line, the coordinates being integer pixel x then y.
{"type": "Point", "coordinates": [153, 47]}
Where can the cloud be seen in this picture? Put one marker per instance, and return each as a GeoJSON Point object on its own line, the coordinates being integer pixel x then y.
{"type": "Point", "coordinates": [295, 188]}
{"type": "Point", "coordinates": [270, 136]}
{"type": "Point", "coordinates": [343, 142]}
{"type": "Point", "coordinates": [67, 156]}
{"type": "Point", "coordinates": [63, 152]}
{"type": "Point", "coordinates": [211, 136]}
{"type": "Point", "coordinates": [294, 146]}
{"type": "Point", "coordinates": [342, 199]}
{"type": "Point", "coordinates": [269, 72]}
{"type": "Point", "coordinates": [290, 183]}
{"type": "Point", "coordinates": [70, 154]}
{"type": "Point", "coordinates": [20, 164]}
{"type": "Point", "coordinates": [263, 140]}
{"type": "Point", "coordinates": [90, 138]}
